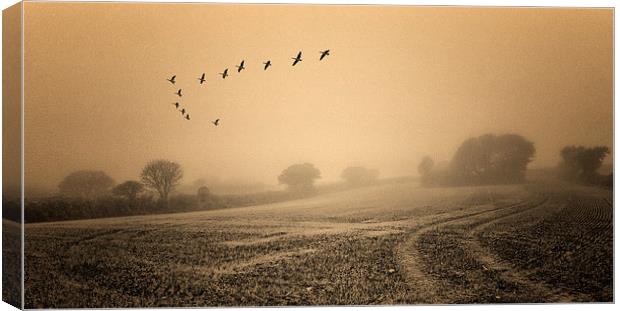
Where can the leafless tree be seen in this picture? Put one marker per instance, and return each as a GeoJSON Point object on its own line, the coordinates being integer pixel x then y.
{"type": "Point", "coordinates": [162, 176]}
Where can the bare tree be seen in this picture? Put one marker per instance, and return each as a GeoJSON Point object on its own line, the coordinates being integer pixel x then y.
{"type": "Point", "coordinates": [162, 176]}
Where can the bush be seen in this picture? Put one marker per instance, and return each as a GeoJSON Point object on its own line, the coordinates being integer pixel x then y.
{"type": "Point", "coordinates": [86, 184]}
{"type": "Point", "coordinates": [56, 208]}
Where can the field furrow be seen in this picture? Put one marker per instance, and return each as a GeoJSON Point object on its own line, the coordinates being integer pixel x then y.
{"type": "Point", "coordinates": [395, 244]}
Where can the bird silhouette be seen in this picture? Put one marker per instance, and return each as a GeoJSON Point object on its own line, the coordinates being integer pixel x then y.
{"type": "Point", "coordinates": [323, 54]}
{"type": "Point", "coordinates": [202, 78]}
{"type": "Point", "coordinates": [176, 105]}
{"type": "Point", "coordinates": [225, 73]}
{"type": "Point", "coordinates": [187, 116]}
{"type": "Point", "coordinates": [297, 59]}
{"type": "Point", "coordinates": [171, 80]}
{"type": "Point", "coordinates": [240, 67]}
{"type": "Point", "coordinates": [216, 122]}
{"type": "Point", "coordinates": [183, 111]}
{"type": "Point", "coordinates": [267, 64]}
{"type": "Point", "coordinates": [179, 93]}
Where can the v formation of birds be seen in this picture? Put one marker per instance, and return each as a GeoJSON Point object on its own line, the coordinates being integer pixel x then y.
{"type": "Point", "coordinates": [224, 74]}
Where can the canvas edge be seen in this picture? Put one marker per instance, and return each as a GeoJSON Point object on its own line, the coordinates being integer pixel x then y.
{"type": "Point", "coordinates": [12, 155]}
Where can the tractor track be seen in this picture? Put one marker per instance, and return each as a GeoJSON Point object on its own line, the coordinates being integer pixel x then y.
{"type": "Point", "coordinates": [433, 292]}
{"type": "Point", "coordinates": [507, 271]}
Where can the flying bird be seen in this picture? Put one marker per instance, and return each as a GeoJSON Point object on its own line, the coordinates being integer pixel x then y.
{"type": "Point", "coordinates": [323, 54]}
{"type": "Point", "coordinates": [176, 105]}
{"type": "Point", "coordinates": [216, 122]}
{"type": "Point", "coordinates": [171, 80]}
{"type": "Point", "coordinates": [187, 116]}
{"type": "Point", "coordinates": [202, 78]}
{"type": "Point", "coordinates": [179, 93]}
{"type": "Point", "coordinates": [183, 111]}
{"type": "Point", "coordinates": [240, 67]}
{"type": "Point", "coordinates": [297, 59]}
{"type": "Point", "coordinates": [225, 73]}
{"type": "Point", "coordinates": [267, 64]}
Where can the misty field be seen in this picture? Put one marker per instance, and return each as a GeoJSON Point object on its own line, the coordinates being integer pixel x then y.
{"type": "Point", "coordinates": [390, 244]}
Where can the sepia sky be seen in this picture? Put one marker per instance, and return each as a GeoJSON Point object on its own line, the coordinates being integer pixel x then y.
{"type": "Point", "coordinates": [400, 83]}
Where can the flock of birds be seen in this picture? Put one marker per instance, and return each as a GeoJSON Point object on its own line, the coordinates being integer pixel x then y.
{"type": "Point", "coordinates": [240, 67]}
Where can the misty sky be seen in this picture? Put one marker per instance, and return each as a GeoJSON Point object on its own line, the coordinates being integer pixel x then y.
{"type": "Point", "coordinates": [400, 83]}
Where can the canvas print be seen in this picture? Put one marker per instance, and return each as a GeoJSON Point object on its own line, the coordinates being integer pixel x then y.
{"type": "Point", "coordinates": [206, 155]}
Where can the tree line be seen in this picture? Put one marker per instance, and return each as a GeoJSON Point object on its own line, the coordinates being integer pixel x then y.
{"type": "Point", "coordinates": [503, 159]}
{"type": "Point", "coordinates": [487, 159]}
{"type": "Point", "coordinates": [94, 194]}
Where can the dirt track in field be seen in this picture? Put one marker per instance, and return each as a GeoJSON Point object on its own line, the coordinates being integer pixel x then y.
{"type": "Point", "coordinates": [391, 244]}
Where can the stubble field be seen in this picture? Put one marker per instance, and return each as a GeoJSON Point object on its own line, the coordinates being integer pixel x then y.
{"type": "Point", "coordinates": [389, 244]}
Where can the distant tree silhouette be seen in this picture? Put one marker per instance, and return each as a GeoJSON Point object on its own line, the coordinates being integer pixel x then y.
{"type": "Point", "coordinates": [86, 184]}
{"type": "Point", "coordinates": [203, 195]}
{"type": "Point", "coordinates": [300, 177]}
{"type": "Point", "coordinates": [356, 176]}
{"type": "Point", "coordinates": [424, 168]}
{"type": "Point", "coordinates": [129, 189]}
{"type": "Point", "coordinates": [491, 159]}
{"type": "Point", "coordinates": [199, 182]}
{"type": "Point", "coordinates": [581, 163]}
{"type": "Point", "coordinates": [162, 176]}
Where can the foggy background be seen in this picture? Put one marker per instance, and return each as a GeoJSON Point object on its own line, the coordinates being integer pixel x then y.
{"type": "Point", "coordinates": [400, 83]}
